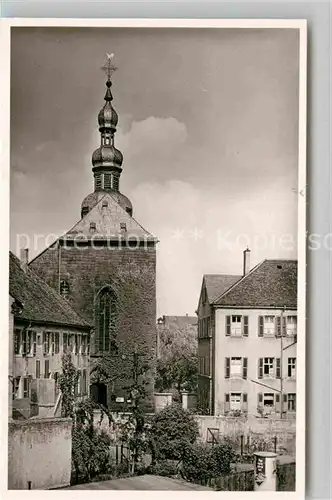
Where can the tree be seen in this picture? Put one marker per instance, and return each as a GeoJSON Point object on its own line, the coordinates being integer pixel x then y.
{"type": "Point", "coordinates": [177, 365]}
{"type": "Point", "coordinates": [172, 430]}
{"type": "Point", "coordinates": [90, 448]}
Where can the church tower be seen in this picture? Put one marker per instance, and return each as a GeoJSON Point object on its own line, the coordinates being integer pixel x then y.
{"type": "Point", "coordinates": [105, 266]}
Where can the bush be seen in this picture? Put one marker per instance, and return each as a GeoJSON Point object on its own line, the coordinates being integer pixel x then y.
{"type": "Point", "coordinates": [202, 462]}
{"type": "Point", "coordinates": [172, 431]}
{"type": "Point", "coordinates": [166, 468]}
{"type": "Point", "coordinates": [90, 454]}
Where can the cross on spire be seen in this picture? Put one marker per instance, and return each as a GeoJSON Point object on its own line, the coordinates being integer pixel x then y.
{"type": "Point", "coordinates": [109, 67]}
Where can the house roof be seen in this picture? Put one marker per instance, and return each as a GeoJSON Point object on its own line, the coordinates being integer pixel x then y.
{"type": "Point", "coordinates": [179, 321]}
{"type": "Point", "coordinates": [217, 284]}
{"type": "Point", "coordinates": [40, 302]}
{"type": "Point", "coordinates": [109, 219]}
{"type": "Point", "coordinates": [272, 283]}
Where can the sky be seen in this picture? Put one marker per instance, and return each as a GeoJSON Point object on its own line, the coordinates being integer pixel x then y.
{"type": "Point", "coordinates": [208, 127]}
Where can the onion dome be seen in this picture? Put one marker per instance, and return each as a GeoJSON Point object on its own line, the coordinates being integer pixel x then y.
{"type": "Point", "coordinates": [108, 117]}
{"type": "Point", "coordinates": [107, 156]}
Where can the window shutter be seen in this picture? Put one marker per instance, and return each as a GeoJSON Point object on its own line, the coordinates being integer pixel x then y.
{"type": "Point", "coordinates": [284, 319]}
{"type": "Point", "coordinates": [260, 368]}
{"type": "Point", "coordinates": [277, 402]}
{"type": "Point", "coordinates": [245, 368]}
{"type": "Point", "coordinates": [245, 401]}
{"type": "Point", "coordinates": [245, 326]}
{"type": "Point", "coordinates": [37, 368]}
{"type": "Point", "coordinates": [278, 326]}
{"type": "Point", "coordinates": [260, 398]}
{"type": "Point", "coordinates": [228, 325]}
{"type": "Point", "coordinates": [34, 343]}
{"type": "Point", "coordinates": [227, 403]}
{"type": "Point", "coordinates": [285, 398]}
{"type": "Point", "coordinates": [260, 326]}
{"type": "Point", "coordinates": [227, 367]}
{"type": "Point", "coordinates": [278, 368]}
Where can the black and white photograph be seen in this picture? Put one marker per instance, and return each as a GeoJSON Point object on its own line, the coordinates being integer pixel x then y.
{"type": "Point", "coordinates": [157, 194]}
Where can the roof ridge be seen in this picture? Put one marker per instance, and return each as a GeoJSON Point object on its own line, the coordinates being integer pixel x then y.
{"type": "Point", "coordinates": [240, 281]}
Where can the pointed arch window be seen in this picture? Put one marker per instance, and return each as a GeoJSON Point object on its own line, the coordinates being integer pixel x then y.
{"type": "Point", "coordinates": [107, 313]}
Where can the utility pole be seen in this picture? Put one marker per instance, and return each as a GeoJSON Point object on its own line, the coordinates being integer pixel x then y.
{"type": "Point", "coordinates": [281, 362]}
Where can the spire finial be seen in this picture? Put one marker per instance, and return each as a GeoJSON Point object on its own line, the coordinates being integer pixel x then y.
{"type": "Point", "coordinates": [109, 67]}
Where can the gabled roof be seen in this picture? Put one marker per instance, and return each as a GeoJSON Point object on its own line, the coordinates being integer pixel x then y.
{"type": "Point", "coordinates": [272, 283]}
{"type": "Point", "coordinates": [40, 302]}
{"type": "Point", "coordinates": [217, 284]}
{"type": "Point", "coordinates": [108, 217]}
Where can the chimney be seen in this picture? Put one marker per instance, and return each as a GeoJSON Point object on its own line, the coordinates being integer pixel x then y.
{"type": "Point", "coordinates": [24, 258]}
{"type": "Point", "coordinates": [246, 261]}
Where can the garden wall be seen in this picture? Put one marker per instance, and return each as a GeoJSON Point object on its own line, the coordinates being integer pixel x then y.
{"type": "Point", "coordinates": [39, 450]}
{"type": "Point", "coordinates": [256, 428]}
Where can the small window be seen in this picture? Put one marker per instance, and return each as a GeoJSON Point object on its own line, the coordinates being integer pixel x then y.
{"type": "Point", "coordinates": [123, 226]}
{"type": "Point", "coordinates": [236, 319]}
{"type": "Point", "coordinates": [279, 266]}
{"type": "Point", "coordinates": [115, 182]}
{"type": "Point", "coordinates": [291, 402]}
{"type": "Point", "coordinates": [93, 226]}
{"type": "Point", "coordinates": [105, 204]}
{"type": "Point", "coordinates": [85, 211]}
{"type": "Point", "coordinates": [291, 367]}
{"type": "Point", "coordinates": [269, 366]}
{"type": "Point", "coordinates": [107, 181]}
{"type": "Point", "coordinates": [64, 288]}
{"type": "Point", "coordinates": [26, 387]}
{"type": "Point", "coordinates": [98, 181]}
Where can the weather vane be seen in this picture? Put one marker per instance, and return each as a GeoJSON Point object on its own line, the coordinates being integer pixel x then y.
{"type": "Point", "coordinates": [109, 67]}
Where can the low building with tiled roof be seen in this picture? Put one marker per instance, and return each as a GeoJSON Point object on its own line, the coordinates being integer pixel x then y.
{"type": "Point", "coordinates": [247, 330]}
{"type": "Point", "coordinates": [43, 327]}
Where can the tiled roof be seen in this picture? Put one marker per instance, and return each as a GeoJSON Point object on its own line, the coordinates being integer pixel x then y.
{"type": "Point", "coordinates": [272, 283]}
{"type": "Point", "coordinates": [217, 284]}
{"type": "Point", "coordinates": [40, 301]}
{"type": "Point", "coordinates": [108, 219]}
{"type": "Point", "coordinates": [179, 321]}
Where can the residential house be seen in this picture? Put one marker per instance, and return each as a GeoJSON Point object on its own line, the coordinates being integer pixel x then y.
{"type": "Point", "coordinates": [42, 327]}
{"type": "Point", "coordinates": [247, 334]}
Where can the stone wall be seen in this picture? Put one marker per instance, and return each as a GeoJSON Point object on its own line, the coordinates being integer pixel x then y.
{"type": "Point", "coordinates": [39, 450]}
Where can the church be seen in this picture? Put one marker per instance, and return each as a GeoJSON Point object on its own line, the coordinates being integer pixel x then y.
{"type": "Point", "coordinates": [105, 267]}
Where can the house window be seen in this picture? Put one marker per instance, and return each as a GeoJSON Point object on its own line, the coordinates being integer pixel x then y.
{"type": "Point", "coordinates": [26, 387]}
{"type": "Point", "coordinates": [17, 341]}
{"type": "Point", "coordinates": [107, 319]}
{"type": "Point", "coordinates": [236, 367]}
{"type": "Point", "coordinates": [123, 226]}
{"type": "Point", "coordinates": [235, 401]}
{"type": "Point", "coordinates": [291, 367]}
{"type": "Point", "coordinates": [291, 399]}
{"type": "Point", "coordinates": [268, 400]}
{"type": "Point", "coordinates": [291, 325]}
{"type": "Point", "coordinates": [37, 368]}
{"type": "Point", "coordinates": [47, 343]}
{"type": "Point", "coordinates": [16, 387]}
{"type": "Point", "coordinates": [84, 382]}
{"type": "Point", "coordinates": [237, 326]}
{"type": "Point", "coordinates": [269, 325]}
{"type": "Point", "coordinates": [105, 204]}
{"type": "Point", "coordinates": [57, 343]}
{"type": "Point", "coordinates": [268, 367]}
{"type": "Point", "coordinates": [46, 369]}
{"type": "Point", "coordinates": [93, 226]}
